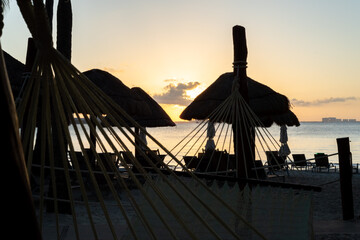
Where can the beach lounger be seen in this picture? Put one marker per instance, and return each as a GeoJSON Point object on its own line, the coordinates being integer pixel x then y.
{"type": "Point", "coordinates": [300, 162]}
{"type": "Point", "coordinates": [80, 159]}
{"type": "Point", "coordinates": [108, 160]}
{"type": "Point", "coordinates": [355, 168]}
{"type": "Point", "coordinates": [154, 156]}
{"type": "Point", "coordinates": [231, 162]}
{"type": "Point", "coordinates": [274, 161]}
{"type": "Point", "coordinates": [191, 162]}
{"type": "Point", "coordinates": [127, 156]}
{"type": "Point", "coordinates": [219, 162]}
{"type": "Point", "coordinates": [260, 172]}
{"type": "Point", "coordinates": [322, 162]}
{"type": "Point", "coordinates": [213, 161]}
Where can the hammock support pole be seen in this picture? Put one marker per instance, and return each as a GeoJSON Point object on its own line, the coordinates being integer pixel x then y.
{"type": "Point", "coordinates": [244, 141]}
{"type": "Point", "coordinates": [345, 165]}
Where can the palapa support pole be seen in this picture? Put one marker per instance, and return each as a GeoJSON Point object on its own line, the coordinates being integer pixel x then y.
{"type": "Point", "coordinates": [30, 55]}
{"type": "Point", "coordinates": [244, 143]}
{"type": "Point", "coordinates": [29, 63]}
{"type": "Point", "coordinates": [137, 132]}
{"type": "Point", "coordinates": [345, 165]}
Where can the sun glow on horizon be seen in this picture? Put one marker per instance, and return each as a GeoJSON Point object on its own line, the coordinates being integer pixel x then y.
{"type": "Point", "coordinates": [173, 111]}
{"type": "Point", "coordinates": [193, 93]}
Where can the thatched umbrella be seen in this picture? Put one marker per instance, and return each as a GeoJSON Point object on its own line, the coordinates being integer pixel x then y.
{"type": "Point", "coordinates": [119, 92]}
{"type": "Point", "coordinates": [15, 71]}
{"type": "Point", "coordinates": [157, 117]}
{"type": "Point", "coordinates": [268, 105]}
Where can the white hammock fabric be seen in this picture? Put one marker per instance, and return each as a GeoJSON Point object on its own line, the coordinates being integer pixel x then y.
{"type": "Point", "coordinates": [277, 213]}
{"type": "Point", "coordinates": [282, 213]}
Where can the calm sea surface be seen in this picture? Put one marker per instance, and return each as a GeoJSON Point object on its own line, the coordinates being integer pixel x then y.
{"type": "Point", "coordinates": [308, 138]}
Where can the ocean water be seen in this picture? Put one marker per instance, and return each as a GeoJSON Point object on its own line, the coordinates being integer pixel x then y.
{"type": "Point", "coordinates": [309, 138]}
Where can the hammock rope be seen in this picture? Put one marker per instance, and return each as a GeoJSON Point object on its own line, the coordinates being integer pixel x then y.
{"type": "Point", "coordinates": [64, 94]}
{"type": "Point", "coordinates": [57, 94]}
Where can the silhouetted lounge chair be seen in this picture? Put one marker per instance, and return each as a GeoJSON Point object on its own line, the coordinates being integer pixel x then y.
{"type": "Point", "coordinates": [191, 162]}
{"type": "Point", "coordinates": [322, 161]}
{"type": "Point", "coordinates": [355, 168]}
{"type": "Point", "coordinates": [213, 161]}
{"type": "Point", "coordinates": [260, 172]}
{"type": "Point", "coordinates": [109, 163]}
{"type": "Point", "coordinates": [275, 162]}
{"type": "Point", "coordinates": [300, 161]}
{"type": "Point", "coordinates": [80, 159]}
{"type": "Point", "coordinates": [82, 166]}
{"type": "Point", "coordinates": [127, 156]}
{"type": "Point", "coordinates": [153, 156]}
{"type": "Point", "coordinates": [231, 162]}
{"type": "Point", "coordinates": [109, 160]}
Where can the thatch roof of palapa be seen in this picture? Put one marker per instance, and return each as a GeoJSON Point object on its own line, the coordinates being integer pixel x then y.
{"type": "Point", "coordinates": [118, 91]}
{"type": "Point", "coordinates": [157, 116]}
{"type": "Point", "coordinates": [267, 104]}
{"type": "Point", "coordinates": [15, 70]}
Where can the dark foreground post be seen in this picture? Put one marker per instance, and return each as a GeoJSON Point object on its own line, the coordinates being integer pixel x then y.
{"type": "Point", "coordinates": [345, 165]}
{"type": "Point", "coordinates": [17, 211]}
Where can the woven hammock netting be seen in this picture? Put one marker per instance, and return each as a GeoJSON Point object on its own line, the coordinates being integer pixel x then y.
{"type": "Point", "coordinates": [97, 179]}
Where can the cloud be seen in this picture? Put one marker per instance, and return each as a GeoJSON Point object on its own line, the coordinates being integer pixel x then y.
{"type": "Point", "coordinates": [176, 93]}
{"type": "Point", "coordinates": [170, 80]}
{"type": "Point", "coordinates": [319, 102]}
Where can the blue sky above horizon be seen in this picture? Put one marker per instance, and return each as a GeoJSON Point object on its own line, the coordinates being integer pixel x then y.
{"type": "Point", "coordinates": [307, 50]}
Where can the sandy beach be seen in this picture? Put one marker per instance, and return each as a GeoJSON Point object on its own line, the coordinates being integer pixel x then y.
{"type": "Point", "coordinates": [327, 212]}
{"type": "Point", "coordinates": [327, 209]}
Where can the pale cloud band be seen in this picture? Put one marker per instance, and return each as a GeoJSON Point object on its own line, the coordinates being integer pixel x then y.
{"type": "Point", "coordinates": [319, 102]}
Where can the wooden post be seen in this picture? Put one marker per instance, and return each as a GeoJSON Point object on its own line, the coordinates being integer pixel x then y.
{"type": "Point", "coordinates": [345, 165]}
{"type": "Point", "coordinates": [240, 57]}
{"type": "Point", "coordinates": [244, 149]}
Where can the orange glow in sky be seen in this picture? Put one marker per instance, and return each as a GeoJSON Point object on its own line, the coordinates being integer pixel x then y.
{"type": "Point", "coordinates": [193, 93]}
{"type": "Point", "coordinates": [173, 111]}
{"type": "Point", "coordinates": [307, 50]}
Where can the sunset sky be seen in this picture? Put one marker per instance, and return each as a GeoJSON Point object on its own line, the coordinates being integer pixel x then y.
{"type": "Point", "coordinates": [307, 50]}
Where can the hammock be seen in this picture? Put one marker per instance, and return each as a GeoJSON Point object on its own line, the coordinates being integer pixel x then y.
{"type": "Point", "coordinates": [147, 197]}
{"type": "Point", "coordinates": [55, 95]}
